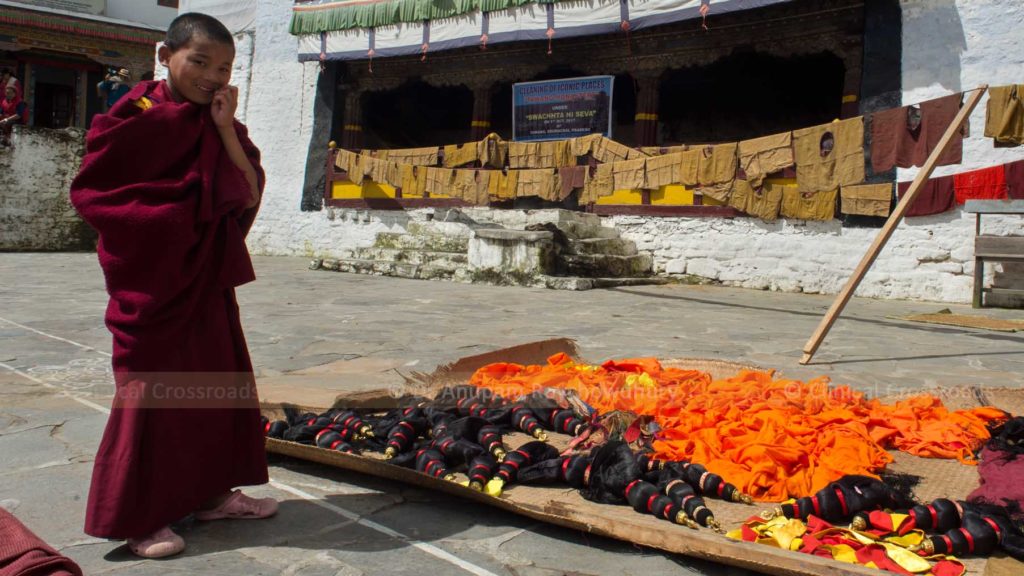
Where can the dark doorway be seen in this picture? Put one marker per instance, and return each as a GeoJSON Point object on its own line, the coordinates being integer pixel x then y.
{"type": "Point", "coordinates": [55, 105]}
{"type": "Point", "coordinates": [54, 96]}
{"type": "Point", "coordinates": [748, 95]}
{"type": "Point", "coordinates": [417, 114]}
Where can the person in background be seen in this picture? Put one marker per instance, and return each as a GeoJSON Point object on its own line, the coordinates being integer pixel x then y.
{"type": "Point", "coordinates": [115, 85]}
{"type": "Point", "coordinates": [7, 79]}
{"type": "Point", "coordinates": [13, 110]}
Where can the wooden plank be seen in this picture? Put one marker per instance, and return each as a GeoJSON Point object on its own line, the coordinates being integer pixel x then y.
{"type": "Point", "coordinates": [997, 257]}
{"type": "Point", "coordinates": [994, 206]}
{"type": "Point", "coordinates": [995, 247]}
{"type": "Point", "coordinates": [890, 226]}
{"type": "Point", "coordinates": [1006, 291]}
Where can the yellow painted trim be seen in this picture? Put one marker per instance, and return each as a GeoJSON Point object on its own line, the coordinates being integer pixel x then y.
{"type": "Point", "coordinates": [622, 197]}
{"type": "Point", "coordinates": [672, 195]}
{"type": "Point", "coordinates": [480, 124]}
{"type": "Point", "coordinates": [709, 201]}
{"type": "Point", "coordinates": [849, 98]}
{"type": "Point", "coordinates": [344, 189]}
{"type": "Point", "coordinates": [645, 116]}
{"type": "Point", "coordinates": [353, 127]}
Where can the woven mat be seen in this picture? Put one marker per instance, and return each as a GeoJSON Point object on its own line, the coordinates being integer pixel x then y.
{"type": "Point", "coordinates": [965, 321]}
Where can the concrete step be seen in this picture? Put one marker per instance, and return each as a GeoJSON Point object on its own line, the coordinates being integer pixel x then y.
{"type": "Point", "coordinates": [607, 265]}
{"type": "Point", "coordinates": [578, 283]}
{"type": "Point", "coordinates": [612, 246]}
{"type": "Point", "coordinates": [583, 230]}
{"type": "Point", "coordinates": [575, 224]}
{"type": "Point", "coordinates": [412, 256]}
{"type": "Point", "coordinates": [394, 269]}
{"type": "Point", "coordinates": [439, 228]}
{"type": "Point", "coordinates": [425, 242]}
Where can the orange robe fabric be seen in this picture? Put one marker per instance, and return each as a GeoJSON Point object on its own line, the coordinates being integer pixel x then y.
{"type": "Point", "coordinates": [773, 438]}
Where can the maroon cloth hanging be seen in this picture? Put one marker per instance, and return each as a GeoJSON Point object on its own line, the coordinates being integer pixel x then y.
{"type": "Point", "coordinates": [936, 197]}
{"type": "Point", "coordinates": [906, 136]}
{"type": "Point", "coordinates": [1015, 180]}
{"type": "Point", "coordinates": [169, 206]}
{"type": "Point", "coordinates": [571, 177]}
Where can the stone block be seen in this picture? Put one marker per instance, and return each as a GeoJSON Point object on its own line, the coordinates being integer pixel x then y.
{"type": "Point", "coordinates": [675, 266]}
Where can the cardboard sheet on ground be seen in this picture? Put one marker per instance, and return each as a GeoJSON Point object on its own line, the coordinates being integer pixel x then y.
{"type": "Point", "coordinates": [947, 318]}
{"type": "Point", "coordinates": [564, 506]}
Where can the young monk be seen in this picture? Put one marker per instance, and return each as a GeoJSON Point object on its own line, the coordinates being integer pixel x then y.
{"type": "Point", "coordinates": [172, 183]}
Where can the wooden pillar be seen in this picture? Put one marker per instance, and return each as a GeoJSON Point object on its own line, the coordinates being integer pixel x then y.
{"type": "Point", "coordinates": [481, 124]}
{"type": "Point", "coordinates": [646, 119]}
{"type": "Point", "coordinates": [853, 61]}
{"type": "Point", "coordinates": [352, 127]}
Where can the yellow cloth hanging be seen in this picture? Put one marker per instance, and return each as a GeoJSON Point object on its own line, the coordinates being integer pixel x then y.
{"type": "Point", "coordinates": [819, 168]}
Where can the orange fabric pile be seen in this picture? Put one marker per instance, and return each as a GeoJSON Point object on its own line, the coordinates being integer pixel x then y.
{"type": "Point", "coordinates": [773, 438]}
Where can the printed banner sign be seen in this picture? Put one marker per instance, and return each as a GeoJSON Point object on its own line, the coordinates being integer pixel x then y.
{"type": "Point", "coordinates": [560, 109]}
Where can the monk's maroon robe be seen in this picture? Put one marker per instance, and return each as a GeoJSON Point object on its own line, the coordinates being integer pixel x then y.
{"type": "Point", "coordinates": [168, 204]}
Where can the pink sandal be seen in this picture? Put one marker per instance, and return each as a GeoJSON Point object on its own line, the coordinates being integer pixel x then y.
{"type": "Point", "coordinates": [240, 506]}
{"type": "Point", "coordinates": [159, 544]}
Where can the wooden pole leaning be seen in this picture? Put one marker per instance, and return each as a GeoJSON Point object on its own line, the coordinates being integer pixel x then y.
{"type": "Point", "coordinates": [890, 226]}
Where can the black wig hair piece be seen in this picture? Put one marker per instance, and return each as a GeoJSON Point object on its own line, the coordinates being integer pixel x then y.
{"type": "Point", "coordinates": [404, 434]}
{"type": "Point", "coordinates": [841, 499]}
{"type": "Point", "coordinates": [941, 515]}
{"type": "Point", "coordinates": [552, 416]}
{"type": "Point", "coordinates": [673, 483]}
{"type": "Point", "coordinates": [333, 440]}
{"type": "Point", "coordinates": [349, 419]}
{"type": "Point", "coordinates": [481, 470]}
{"type": "Point", "coordinates": [573, 470]}
{"type": "Point", "coordinates": [525, 420]}
{"type": "Point", "coordinates": [649, 465]}
{"type": "Point", "coordinates": [309, 434]}
{"type": "Point", "coordinates": [544, 472]}
{"type": "Point", "coordinates": [613, 468]}
{"type": "Point", "coordinates": [707, 483]}
{"type": "Point", "coordinates": [902, 483]}
{"type": "Point", "coordinates": [464, 399]}
{"type": "Point", "coordinates": [560, 420]}
{"type": "Point", "coordinates": [438, 420]}
{"type": "Point", "coordinates": [1008, 437]}
{"type": "Point", "coordinates": [274, 428]}
{"type": "Point", "coordinates": [490, 438]}
{"type": "Point", "coordinates": [457, 451]}
{"type": "Point", "coordinates": [382, 426]}
{"type": "Point", "coordinates": [645, 498]}
{"type": "Point", "coordinates": [431, 462]}
{"type": "Point", "coordinates": [978, 535]}
{"type": "Point", "coordinates": [466, 427]}
{"type": "Point", "coordinates": [527, 454]}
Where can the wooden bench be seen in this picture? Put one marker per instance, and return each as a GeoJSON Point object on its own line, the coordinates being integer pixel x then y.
{"type": "Point", "coordinates": [994, 248]}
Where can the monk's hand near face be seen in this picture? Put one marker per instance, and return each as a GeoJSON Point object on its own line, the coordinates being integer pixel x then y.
{"type": "Point", "coordinates": [224, 105]}
{"type": "Point", "coordinates": [222, 110]}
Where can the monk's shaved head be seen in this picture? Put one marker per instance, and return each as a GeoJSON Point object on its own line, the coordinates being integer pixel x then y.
{"type": "Point", "coordinates": [192, 24]}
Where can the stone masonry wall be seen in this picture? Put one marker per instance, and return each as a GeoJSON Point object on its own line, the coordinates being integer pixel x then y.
{"type": "Point", "coordinates": [927, 258]}
{"type": "Point", "coordinates": [35, 176]}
